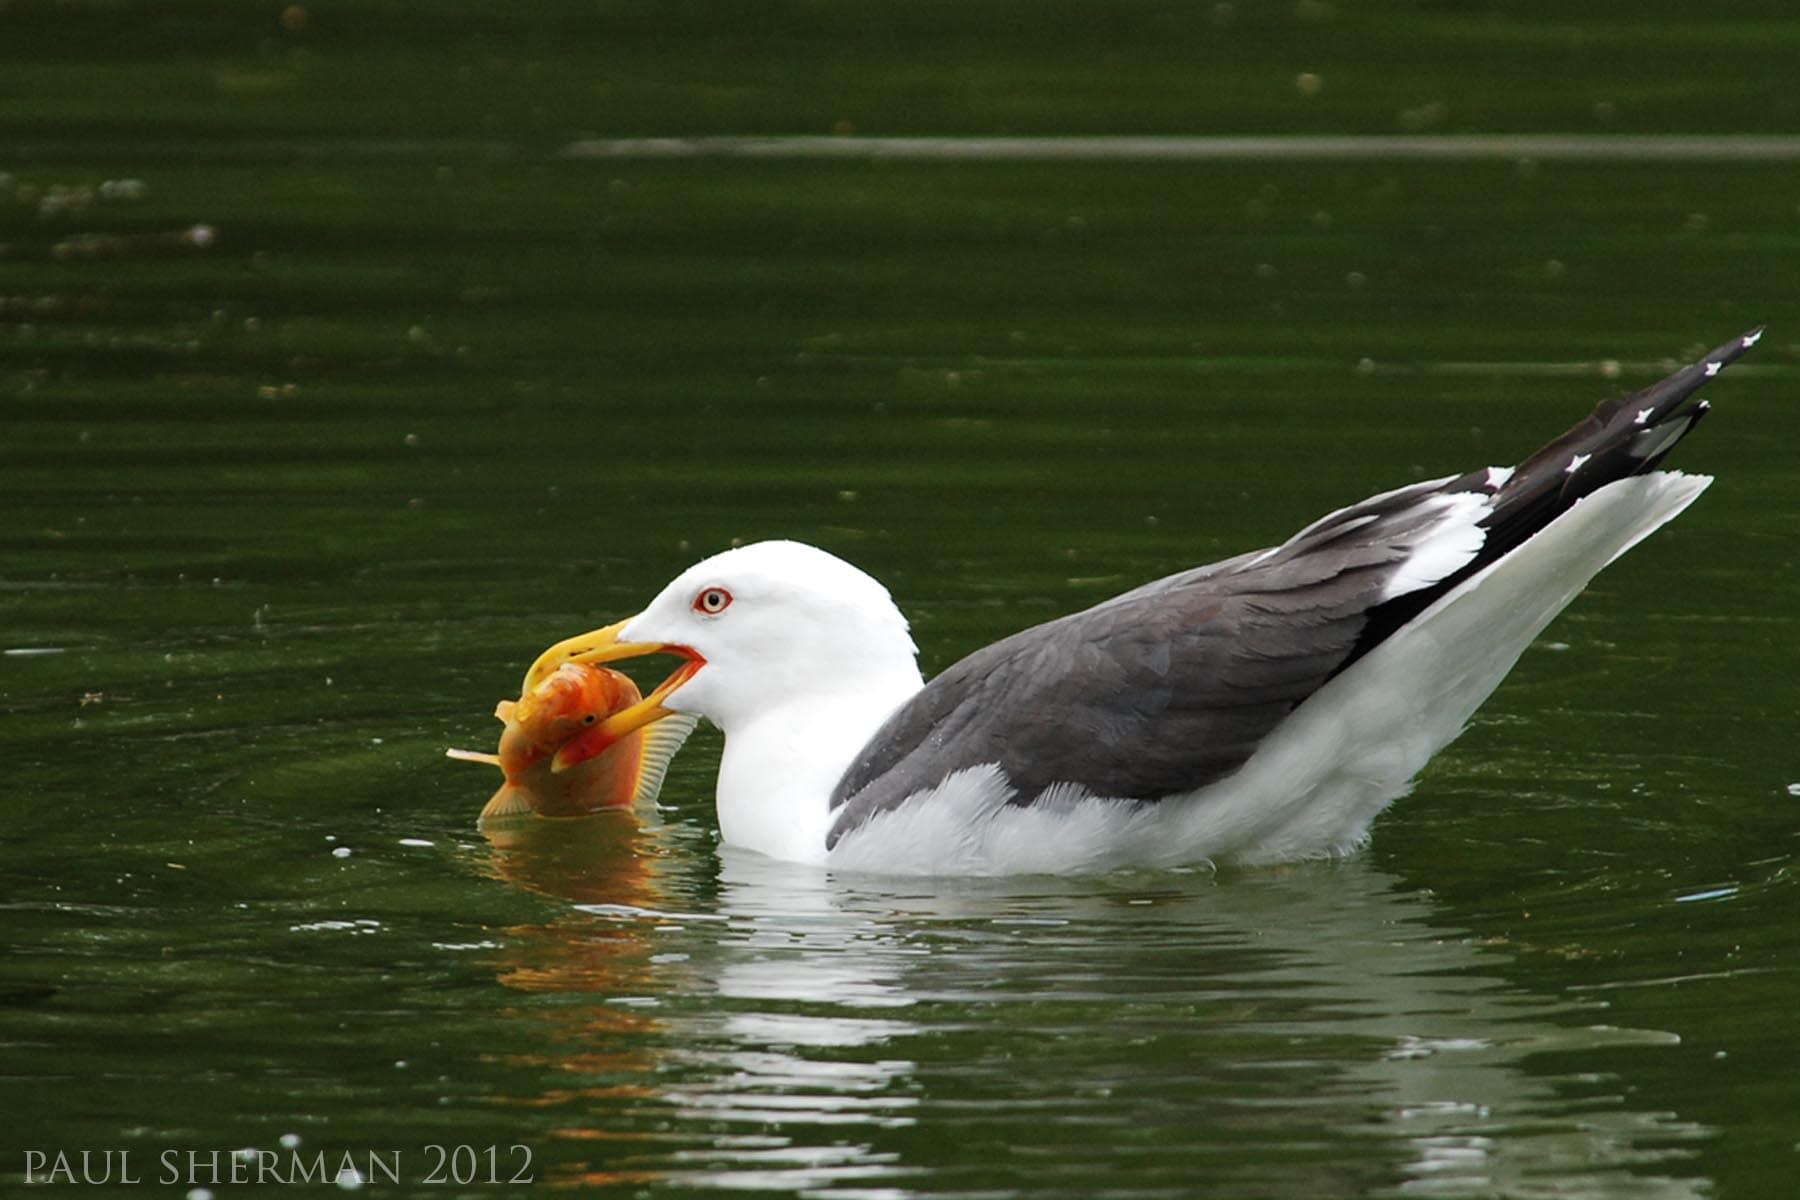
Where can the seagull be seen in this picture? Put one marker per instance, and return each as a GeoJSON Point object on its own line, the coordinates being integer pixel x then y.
{"type": "Point", "coordinates": [1260, 709]}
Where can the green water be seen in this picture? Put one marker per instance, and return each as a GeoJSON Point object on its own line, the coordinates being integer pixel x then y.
{"type": "Point", "coordinates": [330, 392]}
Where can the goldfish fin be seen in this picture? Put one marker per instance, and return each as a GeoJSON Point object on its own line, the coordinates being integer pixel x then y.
{"type": "Point", "coordinates": [661, 740]}
{"type": "Point", "coordinates": [492, 760]}
{"type": "Point", "coordinates": [509, 801]}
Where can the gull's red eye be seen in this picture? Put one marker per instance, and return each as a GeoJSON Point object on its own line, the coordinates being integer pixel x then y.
{"type": "Point", "coordinates": [712, 601]}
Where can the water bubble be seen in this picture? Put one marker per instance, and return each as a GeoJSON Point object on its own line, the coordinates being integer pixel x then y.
{"type": "Point", "coordinates": [1424, 116]}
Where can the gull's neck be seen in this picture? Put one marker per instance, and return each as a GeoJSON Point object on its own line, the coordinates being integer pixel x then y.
{"type": "Point", "coordinates": [781, 764]}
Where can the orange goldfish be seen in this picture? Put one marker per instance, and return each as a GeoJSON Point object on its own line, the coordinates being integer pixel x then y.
{"type": "Point", "coordinates": [554, 754]}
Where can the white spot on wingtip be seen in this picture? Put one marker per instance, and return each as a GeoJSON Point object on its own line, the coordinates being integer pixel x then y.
{"type": "Point", "coordinates": [1643, 415]}
{"type": "Point", "coordinates": [1575, 463]}
{"type": "Point", "coordinates": [1497, 477]}
{"type": "Point", "coordinates": [1712, 368]}
{"type": "Point", "coordinates": [1750, 339]}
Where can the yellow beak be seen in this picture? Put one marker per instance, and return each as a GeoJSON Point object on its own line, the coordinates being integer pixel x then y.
{"type": "Point", "coordinates": [600, 646]}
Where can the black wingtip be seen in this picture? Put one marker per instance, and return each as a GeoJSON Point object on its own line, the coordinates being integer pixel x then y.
{"type": "Point", "coordinates": [1626, 436]}
{"type": "Point", "coordinates": [1664, 400]}
{"type": "Point", "coordinates": [1730, 352]}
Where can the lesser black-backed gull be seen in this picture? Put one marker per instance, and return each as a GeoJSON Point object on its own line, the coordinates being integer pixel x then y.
{"type": "Point", "coordinates": [1262, 708]}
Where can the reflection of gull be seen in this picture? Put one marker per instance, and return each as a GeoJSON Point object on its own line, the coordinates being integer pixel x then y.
{"type": "Point", "coordinates": [1308, 1031]}
{"type": "Point", "coordinates": [830, 995]}
{"type": "Point", "coordinates": [1449, 1083]}
{"type": "Point", "coordinates": [792, 950]}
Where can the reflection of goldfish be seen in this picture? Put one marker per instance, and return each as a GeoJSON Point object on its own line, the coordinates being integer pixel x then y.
{"type": "Point", "coordinates": [607, 858]}
{"type": "Point", "coordinates": [554, 755]}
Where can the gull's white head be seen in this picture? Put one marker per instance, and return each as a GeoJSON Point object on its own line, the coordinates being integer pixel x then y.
{"type": "Point", "coordinates": [795, 654]}
{"type": "Point", "coordinates": [763, 628]}
{"type": "Point", "coordinates": [774, 621]}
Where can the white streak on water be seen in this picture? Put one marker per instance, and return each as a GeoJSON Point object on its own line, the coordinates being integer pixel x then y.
{"type": "Point", "coordinates": [1601, 148]}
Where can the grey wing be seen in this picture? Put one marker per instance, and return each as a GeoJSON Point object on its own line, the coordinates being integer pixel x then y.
{"type": "Point", "coordinates": [1162, 690]}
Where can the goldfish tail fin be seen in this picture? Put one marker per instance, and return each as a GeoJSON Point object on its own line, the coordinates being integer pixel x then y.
{"type": "Point", "coordinates": [509, 801]}
{"type": "Point", "coordinates": [661, 740]}
{"type": "Point", "coordinates": [492, 760]}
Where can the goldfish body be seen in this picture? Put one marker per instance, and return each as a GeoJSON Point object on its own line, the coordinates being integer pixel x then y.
{"type": "Point", "coordinates": [555, 754]}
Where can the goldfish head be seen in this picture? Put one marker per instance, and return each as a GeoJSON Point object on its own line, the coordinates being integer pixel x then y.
{"type": "Point", "coordinates": [558, 711]}
{"type": "Point", "coordinates": [563, 755]}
